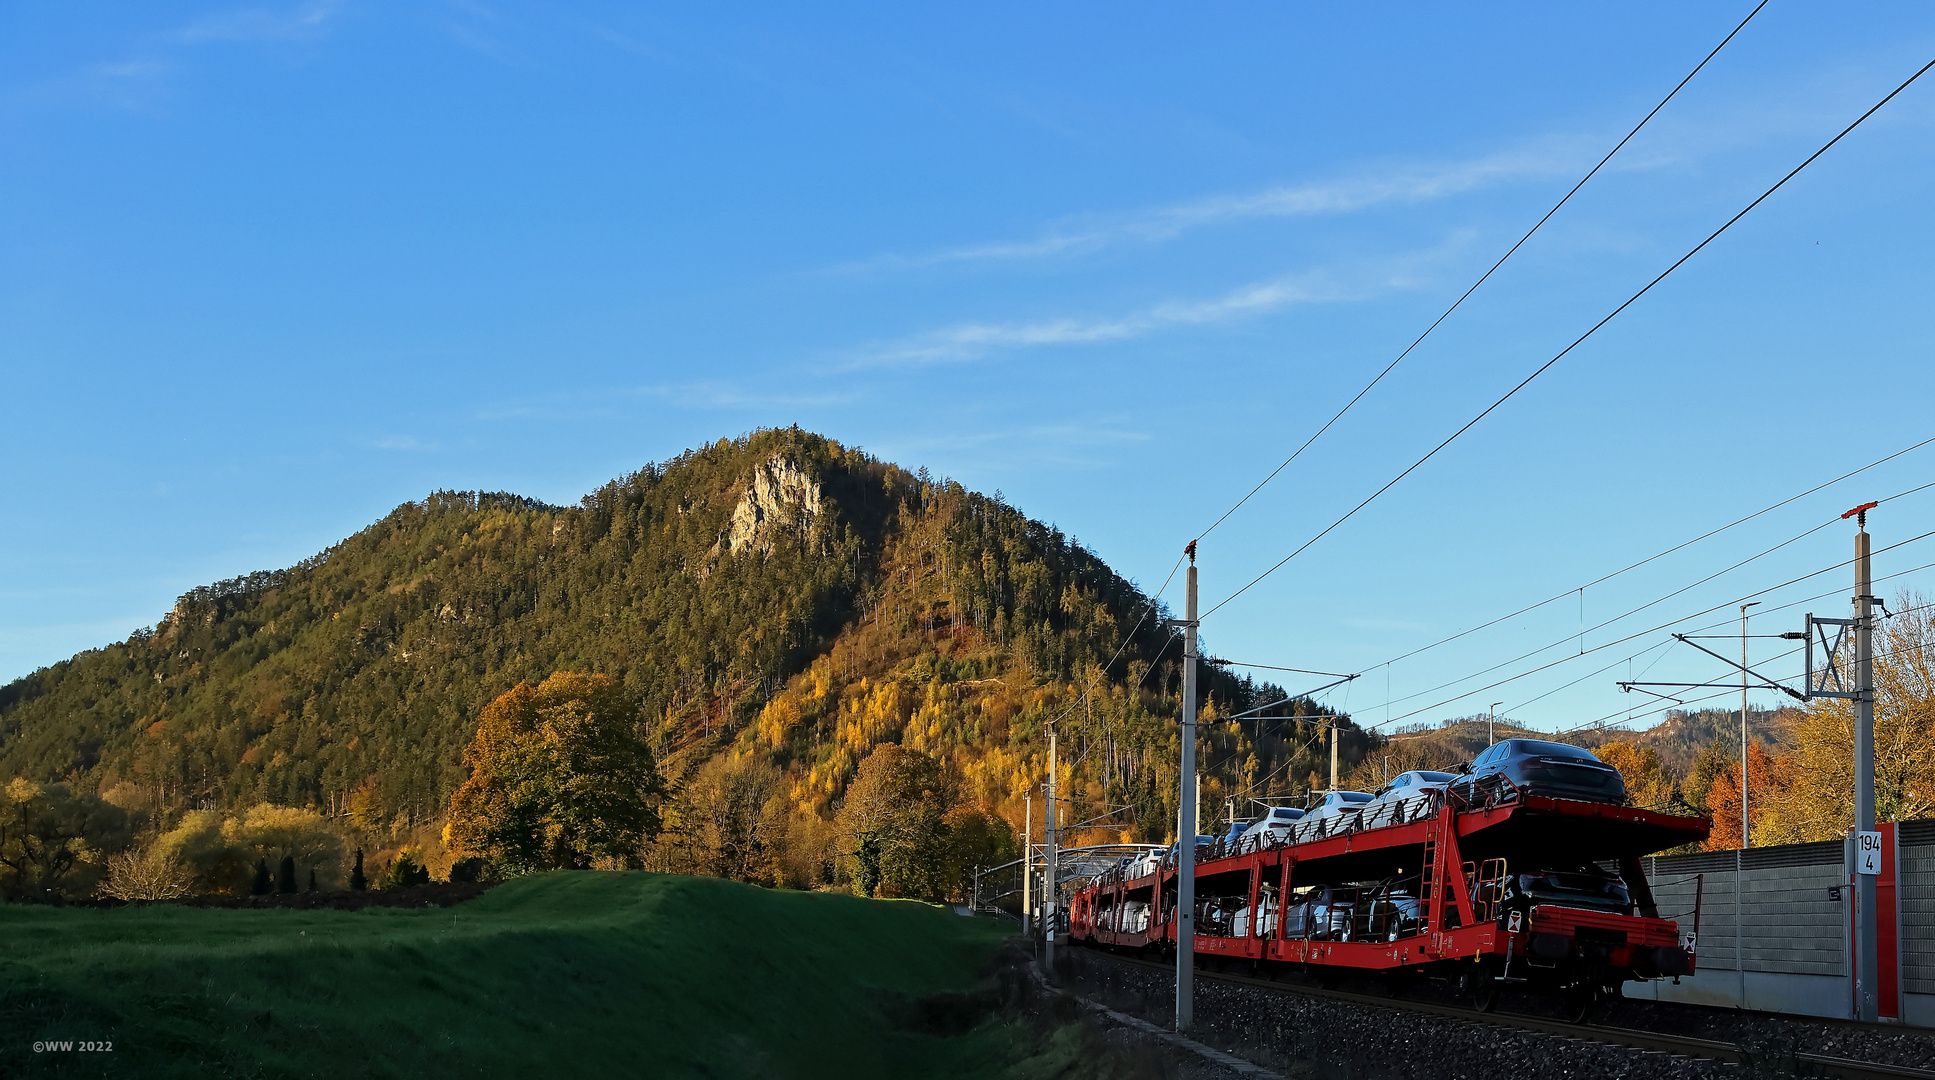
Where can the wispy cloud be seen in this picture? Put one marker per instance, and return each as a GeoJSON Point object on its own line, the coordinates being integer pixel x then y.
{"type": "Point", "coordinates": [966, 341]}
{"type": "Point", "coordinates": [301, 22]}
{"type": "Point", "coordinates": [718, 395]}
{"type": "Point", "coordinates": [142, 83]}
{"type": "Point", "coordinates": [405, 442]}
{"type": "Point", "coordinates": [1344, 283]}
{"type": "Point", "coordinates": [1384, 624]}
{"type": "Point", "coordinates": [1074, 444]}
{"type": "Point", "coordinates": [694, 395]}
{"type": "Point", "coordinates": [1551, 157]}
{"type": "Point", "coordinates": [125, 84]}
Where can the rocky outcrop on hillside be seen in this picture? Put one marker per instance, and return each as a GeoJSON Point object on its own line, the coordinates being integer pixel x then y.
{"type": "Point", "coordinates": [781, 497]}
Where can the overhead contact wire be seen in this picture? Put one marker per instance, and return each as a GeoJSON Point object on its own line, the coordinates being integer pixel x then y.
{"type": "Point", "coordinates": [1634, 611]}
{"type": "Point", "coordinates": [1655, 558]}
{"type": "Point", "coordinates": [1486, 276]}
{"type": "Point", "coordinates": [1637, 634]}
{"type": "Point", "coordinates": [1543, 368]}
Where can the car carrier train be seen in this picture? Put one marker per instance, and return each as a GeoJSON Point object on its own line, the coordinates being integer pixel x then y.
{"type": "Point", "coordinates": [1520, 871]}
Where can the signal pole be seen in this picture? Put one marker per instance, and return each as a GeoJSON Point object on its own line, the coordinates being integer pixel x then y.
{"type": "Point", "coordinates": [1050, 894]}
{"type": "Point", "coordinates": [1866, 945]}
{"type": "Point", "coordinates": [1186, 815]}
{"type": "Point", "coordinates": [1333, 753]}
{"type": "Point", "coordinates": [1746, 834]}
{"type": "Point", "coordinates": [1028, 870]}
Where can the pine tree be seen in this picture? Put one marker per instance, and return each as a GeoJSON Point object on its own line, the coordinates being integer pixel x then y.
{"type": "Point", "coordinates": [405, 871]}
{"type": "Point", "coordinates": [262, 883]}
{"type": "Point", "coordinates": [356, 879]}
{"type": "Point", "coordinates": [312, 879]}
{"type": "Point", "coordinates": [285, 879]}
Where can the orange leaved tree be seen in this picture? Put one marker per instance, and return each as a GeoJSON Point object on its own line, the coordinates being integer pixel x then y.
{"type": "Point", "coordinates": [560, 774]}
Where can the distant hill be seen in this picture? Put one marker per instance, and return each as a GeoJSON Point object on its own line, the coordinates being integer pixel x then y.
{"type": "Point", "coordinates": [1681, 736]}
{"type": "Point", "coordinates": [776, 595]}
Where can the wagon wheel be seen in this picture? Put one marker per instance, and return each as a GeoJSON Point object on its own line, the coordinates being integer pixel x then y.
{"type": "Point", "coordinates": [1579, 1003]}
{"type": "Point", "coordinates": [1484, 990]}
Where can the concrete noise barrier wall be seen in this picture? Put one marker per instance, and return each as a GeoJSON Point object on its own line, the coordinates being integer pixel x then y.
{"type": "Point", "coordinates": [1774, 930]}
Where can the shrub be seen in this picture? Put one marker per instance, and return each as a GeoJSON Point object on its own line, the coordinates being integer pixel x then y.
{"type": "Point", "coordinates": [285, 879]}
{"type": "Point", "coordinates": [356, 879]}
{"type": "Point", "coordinates": [149, 872]}
{"type": "Point", "coordinates": [405, 870]}
{"type": "Point", "coordinates": [467, 869]}
{"type": "Point", "coordinates": [261, 885]}
{"type": "Point", "coordinates": [218, 848]}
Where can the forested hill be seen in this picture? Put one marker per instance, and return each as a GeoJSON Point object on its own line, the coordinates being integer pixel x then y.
{"type": "Point", "coordinates": [777, 595]}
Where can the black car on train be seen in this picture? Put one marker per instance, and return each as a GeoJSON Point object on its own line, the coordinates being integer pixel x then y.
{"type": "Point", "coordinates": [1586, 886]}
{"type": "Point", "coordinates": [1537, 767]}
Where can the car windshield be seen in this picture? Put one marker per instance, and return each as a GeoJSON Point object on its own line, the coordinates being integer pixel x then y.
{"type": "Point", "coordinates": [1438, 778]}
{"type": "Point", "coordinates": [1538, 748]}
{"type": "Point", "coordinates": [1342, 797]}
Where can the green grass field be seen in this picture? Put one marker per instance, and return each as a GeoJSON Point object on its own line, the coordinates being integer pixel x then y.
{"type": "Point", "coordinates": [563, 974]}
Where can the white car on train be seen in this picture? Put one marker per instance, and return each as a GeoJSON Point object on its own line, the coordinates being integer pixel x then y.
{"type": "Point", "coordinates": [1338, 804]}
{"type": "Point", "coordinates": [1408, 794]}
{"type": "Point", "coordinates": [1272, 828]}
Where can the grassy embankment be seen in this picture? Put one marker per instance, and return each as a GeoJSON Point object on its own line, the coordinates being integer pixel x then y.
{"type": "Point", "coordinates": [579, 974]}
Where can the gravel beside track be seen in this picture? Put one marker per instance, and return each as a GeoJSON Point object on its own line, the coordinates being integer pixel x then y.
{"type": "Point", "coordinates": [1159, 1058]}
{"type": "Point", "coordinates": [1308, 1035]}
{"type": "Point", "coordinates": [1778, 1036]}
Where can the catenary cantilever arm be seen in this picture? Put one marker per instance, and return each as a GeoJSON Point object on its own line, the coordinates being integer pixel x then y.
{"type": "Point", "coordinates": [1771, 684]}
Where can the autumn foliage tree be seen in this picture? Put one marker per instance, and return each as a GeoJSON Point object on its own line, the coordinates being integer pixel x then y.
{"type": "Point", "coordinates": [893, 827]}
{"type": "Point", "coordinates": [1648, 781]}
{"type": "Point", "coordinates": [1807, 792]}
{"type": "Point", "coordinates": [1810, 796]}
{"type": "Point", "coordinates": [560, 775]}
{"type": "Point", "coordinates": [736, 817]}
{"type": "Point", "coordinates": [1766, 775]}
{"type": "Point", "coordinates": [50, 831]}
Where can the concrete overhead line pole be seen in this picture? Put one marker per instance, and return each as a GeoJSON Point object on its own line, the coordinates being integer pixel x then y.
{"type": "Point", "coordinates": [1834, 677]}
{"type": "Point", "coordinates": [1867, 840]}
{"type": "Point", "coordinates": [1833, 680]}
{"type": "Point", "coordinates": [1186, 816]}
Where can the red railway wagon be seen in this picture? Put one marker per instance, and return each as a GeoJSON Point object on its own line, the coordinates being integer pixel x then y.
{"type": "Point", "coordinates": [1360, 894]}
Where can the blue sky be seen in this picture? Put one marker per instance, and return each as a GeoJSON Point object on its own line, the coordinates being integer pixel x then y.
{"type": "Point", "coordinates": [267, 271]}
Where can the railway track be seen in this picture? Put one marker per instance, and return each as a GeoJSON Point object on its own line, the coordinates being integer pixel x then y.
{"type": "Point", "coordinates": [1644, 1041]}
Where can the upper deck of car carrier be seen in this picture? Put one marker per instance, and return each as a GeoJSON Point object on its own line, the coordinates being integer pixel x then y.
{"type": "Point", "coordinates": [1362, 891]}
